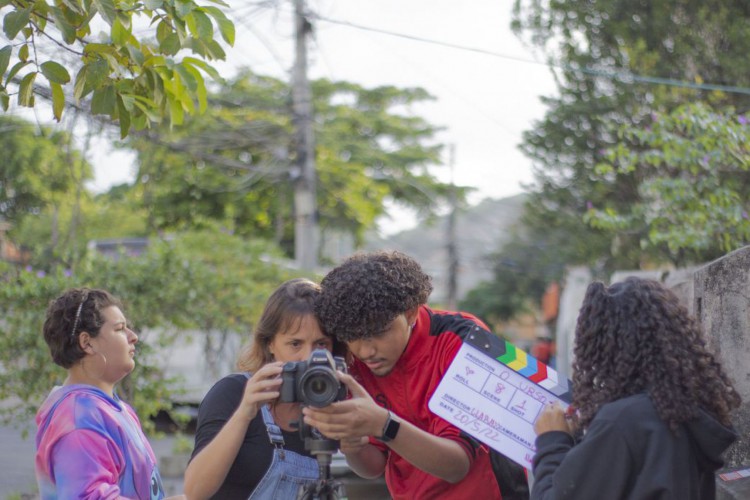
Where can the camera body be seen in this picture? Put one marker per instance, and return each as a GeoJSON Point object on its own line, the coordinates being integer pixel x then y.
{"type": "Point", "coordinates": [313, 381]}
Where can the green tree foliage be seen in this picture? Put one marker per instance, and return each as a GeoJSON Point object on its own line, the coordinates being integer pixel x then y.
{"type": "Point", "coordinates": [234, 164]}
{"type": "Point", "coordinates": [38, 168]}
{"type": "Point", "coordinates": [616, 64]}
{"type": "Point", "coordinates": [43, 195]}
{"type": "Point", "coordinates": [601, 50]}
{"type": "Point", "coordinates": [58, 234]}
{"type": "Point", "coordinates": [693, 167]}
{"type": "Point", "coordinates": [207, 281]}
{"type": "Point", "coordinates": [126, 55]}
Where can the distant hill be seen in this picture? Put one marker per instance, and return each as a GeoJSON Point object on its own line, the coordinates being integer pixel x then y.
{"type": "Point", "coordinates": [480, 230]}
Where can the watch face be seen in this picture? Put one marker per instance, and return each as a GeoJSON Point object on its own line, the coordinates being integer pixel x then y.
{"type": "Point", "coordinates": [391, 429]}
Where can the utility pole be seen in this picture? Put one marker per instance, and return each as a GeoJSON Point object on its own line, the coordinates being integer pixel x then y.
{"type": "Point", "coordinates": [305, 201]}
{"type": "Point", "coordinates": [451, 237]}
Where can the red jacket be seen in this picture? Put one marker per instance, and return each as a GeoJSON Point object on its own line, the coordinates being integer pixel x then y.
{"type": "Point", "coordinates": [406, 390]}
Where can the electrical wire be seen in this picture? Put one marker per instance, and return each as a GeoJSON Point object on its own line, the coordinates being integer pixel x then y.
{"type": "Point", "coordinates": [624, 76]}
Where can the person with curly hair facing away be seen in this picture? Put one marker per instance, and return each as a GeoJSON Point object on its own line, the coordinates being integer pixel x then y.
{"type": "Point", "coordinates": [653, 404]}
{"type": "Point", "coordinates": [376, 303]}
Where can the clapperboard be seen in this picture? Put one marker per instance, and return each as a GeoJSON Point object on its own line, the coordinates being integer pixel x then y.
{"type": "Point", "coordinates": [494, 392]}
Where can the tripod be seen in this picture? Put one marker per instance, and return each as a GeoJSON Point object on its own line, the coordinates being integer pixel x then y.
{"type": "Point", "coordinates": [325, 488]}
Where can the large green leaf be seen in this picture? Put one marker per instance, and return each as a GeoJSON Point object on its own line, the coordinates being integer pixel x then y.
{"type": "Point", "coordinates": [81, 87]}
{"type": "Point", "coordinates": [215, 50]}
{"type": "Point", "coordinates": [26, 90]}
{"type": "Point", "coordinates": [187, 77]}
{"type": "Point", "coordinates": [163, 30]}
{"type": "Point", "coordinates": [99, 48]}
{"type": "Point", "coordinates": [64, 25]}
{"type": "Point", "coordinates": [183, 7]}
{"type": "Point", "coordinates": [120, 34]}
{"type": "Point", "coordinates": [107, 10]}
{"type": "Point", "coordinates": [23, 52]}
{"type": "Point", "coordinates": [124, 117]}
{"type": "Point", "coordinates": [177, 114]}
{"type": "Point", "coordinates": [200, 25]}
{"type": "Point", "coordinates": [15, 21]}
{"type": "Point", "coordinates": [200, 90]}
{"type": "Point", "coordinates": [170, 45]}
{"type": "Point", "coordinates": [5, 53]}
{"type": "Point", "coordinates": [75, 6]}
{"type": "Point", "coordinates": [55, 72]}
{"type": "Point", "coordinates": [14, 70]}
{"type": "Point", "coordinates": [103, 101]}
{"type": "Point", "coordinates": [58, 100]}
{"type": "Point", "coordinates": [210, 70]}
{"type": "Point", "coordinates": [98, 72]}
{"type": "Point", "coordinates": [226, 27]}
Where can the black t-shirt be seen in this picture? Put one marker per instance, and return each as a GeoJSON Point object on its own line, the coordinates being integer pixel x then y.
{"type": "Point", "coordinates": [256, 451]}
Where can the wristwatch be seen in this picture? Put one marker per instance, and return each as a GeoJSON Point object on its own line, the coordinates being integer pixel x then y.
{"type": "Point", "coordinates": [390, 429]}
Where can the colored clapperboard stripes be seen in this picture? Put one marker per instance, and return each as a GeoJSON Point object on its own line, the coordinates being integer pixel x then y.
{"type": "Point", "coordinates": [520, 362]}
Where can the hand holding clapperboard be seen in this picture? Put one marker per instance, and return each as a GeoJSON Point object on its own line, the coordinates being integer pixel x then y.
{"type": "Point", "coordinates": [495, 392]}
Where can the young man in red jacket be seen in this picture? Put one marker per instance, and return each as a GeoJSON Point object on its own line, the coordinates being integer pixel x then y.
{"type": "Point", "coordinates": [376, 303]}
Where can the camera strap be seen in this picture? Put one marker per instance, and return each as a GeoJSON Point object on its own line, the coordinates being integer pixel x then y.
{"type": "Point", "coordinates": [274, 431]}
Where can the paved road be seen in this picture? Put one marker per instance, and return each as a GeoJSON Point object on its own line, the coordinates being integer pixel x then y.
{"type": "Point", "coordinates": [17, 462]}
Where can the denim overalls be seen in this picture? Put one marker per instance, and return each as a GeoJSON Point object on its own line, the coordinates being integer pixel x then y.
{"type": "Point", "coordinates": [288, 470]}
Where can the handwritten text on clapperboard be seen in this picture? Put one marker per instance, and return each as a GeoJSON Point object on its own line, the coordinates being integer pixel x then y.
{"type": "Point", "coordinates": [492, 402]}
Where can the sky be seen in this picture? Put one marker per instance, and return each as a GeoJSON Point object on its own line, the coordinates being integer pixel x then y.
{"type": "Point", "coordinates": [486, 82]}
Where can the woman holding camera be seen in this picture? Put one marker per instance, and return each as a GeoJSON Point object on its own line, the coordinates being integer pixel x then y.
{"type": "Point", "coordinates": [245, 445]}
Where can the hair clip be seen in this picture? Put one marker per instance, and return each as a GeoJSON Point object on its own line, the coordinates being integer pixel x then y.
{"type": "Point", "coordinates": [78, 314]}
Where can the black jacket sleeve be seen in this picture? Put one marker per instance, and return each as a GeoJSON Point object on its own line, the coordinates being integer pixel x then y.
{"type": "Point", "coordinates": [598, 467]}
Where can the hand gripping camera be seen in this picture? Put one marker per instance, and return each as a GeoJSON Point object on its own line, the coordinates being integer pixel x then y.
{"type": "Point", "coordinates": [313, 382]}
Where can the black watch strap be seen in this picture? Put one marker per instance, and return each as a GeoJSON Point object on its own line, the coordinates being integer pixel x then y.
{"type": "Point", "coordinates": [390, 429]}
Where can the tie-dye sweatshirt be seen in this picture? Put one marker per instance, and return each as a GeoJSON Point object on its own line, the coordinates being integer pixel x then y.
{"type": "Point", "coordinates": [89, 445]}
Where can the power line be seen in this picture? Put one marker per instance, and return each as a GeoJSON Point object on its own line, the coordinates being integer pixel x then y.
{"type": "Point", "coordinates": [241, 18]}
{"type": "Point", "coordinates": [623, 76]}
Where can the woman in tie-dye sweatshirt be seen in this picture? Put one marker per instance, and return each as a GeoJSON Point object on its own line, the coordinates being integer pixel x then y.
{"type": "Point", "coordinates": [89, 442]}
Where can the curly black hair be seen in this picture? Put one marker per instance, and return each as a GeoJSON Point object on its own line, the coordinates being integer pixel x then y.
{"type": "Point", "coordinates": [635, 337]}
{"type": "Point", "coordinates": [362, 296]}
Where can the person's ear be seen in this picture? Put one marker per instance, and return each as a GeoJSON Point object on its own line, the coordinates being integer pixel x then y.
{"type": "Point", "coordinates": [84, 342]}
{"type": "Point", "coordinates": [411, 316]}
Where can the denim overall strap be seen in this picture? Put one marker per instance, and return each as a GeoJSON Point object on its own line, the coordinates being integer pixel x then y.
{"type": "Point", "coordinates": [288, 472]}
{"type": "Point", "coordinates": [273, 430]}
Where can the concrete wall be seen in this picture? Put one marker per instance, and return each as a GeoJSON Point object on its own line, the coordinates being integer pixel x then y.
{"type": "Point", "coordinates": [718, 294]}
{"type": "Point", "coordinates": [722, 304]}
{"type": "Point", "coordinates": [571, 298]}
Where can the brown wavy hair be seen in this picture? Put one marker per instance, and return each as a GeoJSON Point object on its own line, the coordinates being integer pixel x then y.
{"type": "Point", "coordinates": [283, 312]}
{"type": "Point", "coordinates": [635, 337]}
{"type": "Point", "coordinates": [362, 296]}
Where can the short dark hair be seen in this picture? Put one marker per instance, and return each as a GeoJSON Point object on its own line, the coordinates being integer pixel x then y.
{"type": "Point", "coordinates": [362, 296]}
{"type": "Point", "coordinates": [76, 310]}
{"type": "Point", "coordinates": [634, 337]}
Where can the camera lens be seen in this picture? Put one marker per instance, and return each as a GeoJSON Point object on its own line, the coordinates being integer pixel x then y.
{"type": "Point", "coordinates": [318, 387]}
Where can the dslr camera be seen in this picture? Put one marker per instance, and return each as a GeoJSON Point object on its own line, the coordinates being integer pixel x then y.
{"type": "Point", "coordinates": [313, 382]}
